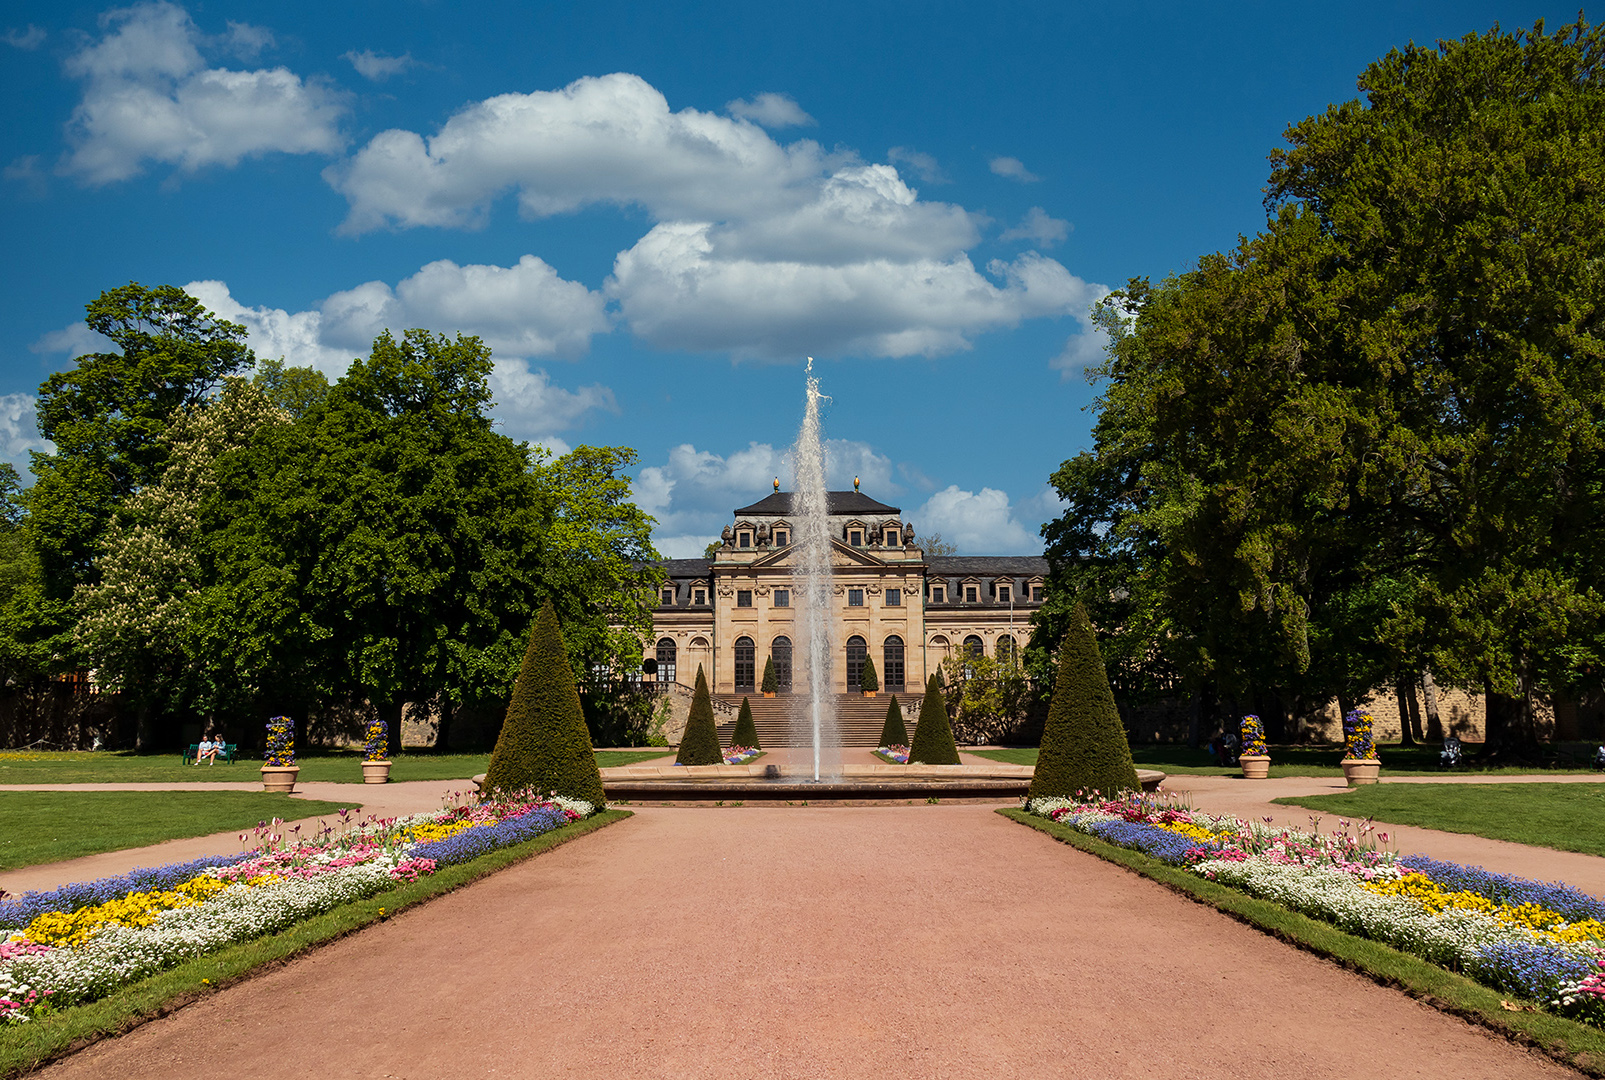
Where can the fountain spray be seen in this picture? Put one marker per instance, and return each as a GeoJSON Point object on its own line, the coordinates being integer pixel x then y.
{"type": "Point", "coordinates": [813, 567]}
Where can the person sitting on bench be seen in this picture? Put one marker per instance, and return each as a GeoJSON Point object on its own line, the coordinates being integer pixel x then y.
{"type": "Point", "coordinates": [209, 749]}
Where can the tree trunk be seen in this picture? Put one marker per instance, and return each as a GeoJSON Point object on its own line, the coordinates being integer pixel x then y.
{"type": "Point", "coordinates": [443, 727]}
{"type": "Point", "coordinates": [1409, 714]}
{"type": "Point", "coordinates": [144, 736]}
{"type": "Point", "coordinates": [390, 713]}
{"type": "Point", "coordinates": [1194, 718]}
{"type": "Point", "coordinates": [1429, 697]}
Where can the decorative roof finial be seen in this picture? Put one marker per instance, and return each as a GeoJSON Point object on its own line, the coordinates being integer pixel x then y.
{"type": "Point", "coordinates": [855, 483]}
{"type": "Point", "coordinates": [777, 483]}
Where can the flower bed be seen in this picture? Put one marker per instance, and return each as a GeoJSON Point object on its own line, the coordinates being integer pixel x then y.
{"type": "Point", "coordinates": [740, 755]}
{"type": "Point", "coordinates": [897, 755]}
{"type": "Point", "coordinates": [1542, 941]}
{"type": "Point", "coordinates": [81, 942]}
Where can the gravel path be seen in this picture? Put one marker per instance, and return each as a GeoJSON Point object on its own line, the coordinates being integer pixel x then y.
{"type": "Point", "coordinates": [857, 942]}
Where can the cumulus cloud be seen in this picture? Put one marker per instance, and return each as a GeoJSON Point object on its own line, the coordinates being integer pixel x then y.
{"type": "Point", "coordinates": [921, 164]}
{"type": "Point", "coordinates": [1039, 228]}
{"type": "Point", "coordinates": [977, 523]}
{"type": "Point", "coordinates": [693, 492]}
{"type": "Point", "coordinates": [72, 341]}
{"type": "Point", "coordinates": [530, 407]}
{"type": "Point", "coordinates": [771, 111]}
{"type": "Point", "coordinates": [1014, 169]}
{"type": "Point", "coordinates": [150, 96]}
{"type": "Point", "coordinates": [19, 431]}
{"type": "Point", "coordinates": [377, 67]}
{"type": "Point", "coordinates": [27, 40]}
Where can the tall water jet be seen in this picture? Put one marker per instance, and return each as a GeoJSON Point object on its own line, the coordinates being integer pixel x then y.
{"type": "Point", "coordinates": [811, 506]}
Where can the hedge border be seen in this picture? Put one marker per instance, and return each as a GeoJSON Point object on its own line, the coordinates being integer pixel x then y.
{"type": "Point", "coordinates": [1574, 1045]}
{"type": "Point", "coordinates": [25, 1048]}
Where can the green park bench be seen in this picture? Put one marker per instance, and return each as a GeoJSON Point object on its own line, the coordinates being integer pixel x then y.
{"type": "Point", "coordinates": [227, 753]}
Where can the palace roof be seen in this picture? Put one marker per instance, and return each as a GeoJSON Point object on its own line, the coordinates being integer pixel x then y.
{"type": "Point", "coordinates": [953, 566]}
{"type": "Point", "coordinates": [836, 502]}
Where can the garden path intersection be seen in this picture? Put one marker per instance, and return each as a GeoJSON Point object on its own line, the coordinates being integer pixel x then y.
{"type": "Point", "coordinates": [887, 941]}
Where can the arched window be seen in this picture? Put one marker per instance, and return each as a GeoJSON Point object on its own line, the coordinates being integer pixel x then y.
{"type": "Point", "coordinates": [856, 651]}
{"type": "Point", "coordinates": [780, 653]}
{"type": "Point", "coordinates": [892, 664]}
{"type": "Point", "coordinates": [973, 647]}
{"type": "Point", "coordinates": [745, 654]}
{"type": "Point", "coordinates": [666, 654]}
{"type": "Point", "coordinates": [1005, 650]}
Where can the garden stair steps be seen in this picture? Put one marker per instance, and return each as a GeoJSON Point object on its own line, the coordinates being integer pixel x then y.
{"type": "Point", "coordinates": [858, 719]}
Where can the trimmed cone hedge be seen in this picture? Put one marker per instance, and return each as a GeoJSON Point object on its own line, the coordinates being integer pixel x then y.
{"type": "Point", "coordinates": [771, 682]}
{"type": "Point", "coordinates": [746, 733]}
{"type": "Point", "coordinates": [1084, 745]}
{"type": "Point", "coordinates": [544, 743]}
{"type": "Point", "coordinates": [700, 743]}
{"type": "Point", "coordinates": [868, 681]}
{"type": "Point", "coordinates": [933, 738]}
{"type": "Point", "coordinates": [893, 733]}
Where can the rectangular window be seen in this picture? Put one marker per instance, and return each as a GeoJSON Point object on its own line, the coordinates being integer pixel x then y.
{"type": "Point", "coordinates": [1036, 594]}
{"type": "Point", "coordinates": [744, 540]}
{"type": "Point", "coordinates": [894, 597]}
{"type": "Point", "coordinates": [743, 598]}
{"type": "Point", "coordinates": [782, 537]}
{"type": "Point", "coordinates": [782, 598]}
{"type": "Point", "coordinates": [668, 595]}
{"type": "Point", "coordinates": [856, 538]}
{"type": "Point", "coordinates": [699, 597]}
{"type": "Point", "coordinates": [970, 594]}
{"type": "Point", "coordinates": [855, 597]}
{"type": "Point", "coordinates": [938, 594]}
{"type": "Point", "coordinates": [1005, 594]}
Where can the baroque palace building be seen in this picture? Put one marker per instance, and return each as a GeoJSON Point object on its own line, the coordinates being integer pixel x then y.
{"type": "Point", "coordinates": [909, 611]}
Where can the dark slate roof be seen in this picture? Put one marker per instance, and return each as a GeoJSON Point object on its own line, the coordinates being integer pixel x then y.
{"type": "Point", "coordinates": [686, 568]}
{"type": "Point", "coordinates": [836, 502]}
{"type": "Point", "coordinates": [985, 565]}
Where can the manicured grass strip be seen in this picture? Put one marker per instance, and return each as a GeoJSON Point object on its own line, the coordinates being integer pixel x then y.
{"type": "Point", "coordinates": [1566, 817]}
{"type": "Point", "coordinates": [48, 826]}
{"type": "Point", "coordinates": [1577, 1045]}
{"type": "Point", "coordinates": [1397, 760]}
{"type": "Point", "coordinates": [607, 759]}
{"type": "Point", "coordinates": [25, 1047]}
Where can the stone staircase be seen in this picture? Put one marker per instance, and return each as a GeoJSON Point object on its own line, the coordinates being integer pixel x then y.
{"type": "Point", "coordinates": [858, 718]}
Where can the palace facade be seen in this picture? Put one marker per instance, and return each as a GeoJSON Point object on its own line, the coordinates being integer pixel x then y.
{"type": "Point", "coordinates": [892, 602]}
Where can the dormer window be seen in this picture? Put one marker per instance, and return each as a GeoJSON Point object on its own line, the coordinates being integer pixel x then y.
{"type": "Point", "coordinates": [971, 594]}
{"type": "Point", "coordinates": [744, 539]}
{"type": "Point", "coordinates": [1005, 594]}
{"type": "Point", "coordinates": [668, 594]}
{"type": "Point", "coordinates": [855, 537]}
{"type": "Point", "coordinates": [938, 594]}
{"type": "Point", "coordinates": [699, 596]}
{"type": "Point", "coordinates": [1036, 594]}
{"type": "Point", "coordinates": [782, 538]}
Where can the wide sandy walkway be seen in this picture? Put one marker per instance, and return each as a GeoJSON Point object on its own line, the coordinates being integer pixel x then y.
{"type": "Point", "coordinates": [855, 942]}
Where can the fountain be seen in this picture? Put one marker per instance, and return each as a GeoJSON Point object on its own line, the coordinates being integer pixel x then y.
{"type": "Point", "coordinates": [814, 578]}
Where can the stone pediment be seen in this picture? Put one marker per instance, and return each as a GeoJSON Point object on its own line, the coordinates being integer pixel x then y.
{"type": "Point", "coordinates": [840, 555]}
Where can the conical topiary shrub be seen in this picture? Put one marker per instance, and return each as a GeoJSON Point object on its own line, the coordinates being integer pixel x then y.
{"type": "Point", "coordinates": [933, 738]}
{"type": "Point", "coordinates": [746, 733]}
{"type": "Point", "coordinates": [893, 733]}
{"type": "Point", "coordinates": [544, 744]}
{"type": "Point", "coordinates": [771, 681]}
{"type": "Point", "coordinates": [868, 681]}
{"type": "Point", "coordinates": [700, 743]}
{"type": "Point", "coordinates": [1084, 745]}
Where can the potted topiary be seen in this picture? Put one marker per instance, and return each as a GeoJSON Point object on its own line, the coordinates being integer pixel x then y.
{"type": "Point", "coordinates": [375, 765]}
{"type": "Point", "coordinates": [771, 681]}
{"type": "Point", "coordinates": [1255, 760]}
{"type": "Point", "coordinates": [1361, 765]}
{"type": "Point", "coordinates": [280, 770]}
{"type": "Point", "coordinates": [868, 681]}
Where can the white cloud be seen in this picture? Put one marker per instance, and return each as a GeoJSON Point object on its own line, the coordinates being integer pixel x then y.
{"type": "Point", "coordinates": [771, 111]}
{"type": "Point", "coordinates": [19, 431]}
{"type": "Point", "coordinates": [530, 407]}
{"type": "Point", "coordinates": [149, 96]}
{"type": "Point", "coordinates": [73, 340]}
{"type": "Point", "coordinates": [1014, 169]}
{"type": "Point", "coordinates": [1039, 228]}
{"type": "Point", "coordinates": [27, 40]}
{"type": "Point", "coordinates": [377, 67]}
{"type": "Point", "coordinates": [977, 523]}
{"type": "Point", "coordinates": [923, 165]}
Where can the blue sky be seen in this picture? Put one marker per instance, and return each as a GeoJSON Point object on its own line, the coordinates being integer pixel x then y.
{"type": "Point", "coordinates": [653, 212]}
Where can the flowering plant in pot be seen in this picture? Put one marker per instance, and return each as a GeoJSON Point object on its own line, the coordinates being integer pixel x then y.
{"type": "Point", "coordinates": [1361, 765]}
{"type": "Point", "coordinates": [375, 765]}
{"type": "Point", "coordinates": [280, 770]}
{"type": "Point", "coordinates": [1255, 760]}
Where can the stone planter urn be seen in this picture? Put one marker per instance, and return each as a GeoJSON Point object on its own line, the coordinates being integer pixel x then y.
{"type": "Point", "coordinates": [376, 772]}
{"type": "Point", "coordinates": [1359, 771]}
{"type": "Point", "coordinates": [279, 777]}
{"type": "Point", "coordinates": [1255, 766]}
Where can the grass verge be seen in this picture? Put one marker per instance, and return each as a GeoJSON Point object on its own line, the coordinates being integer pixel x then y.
{"type": "Point", "coordinates": [1576, 1045]}
{"type": "Point", "coordinates": [1397, 760]}
{"type": "Point", "coordinates": [26, 1047]}
{"type": "Point", "coordinates": [48, 826]}
{"type": "Point", "coordinates": [1566, 817]}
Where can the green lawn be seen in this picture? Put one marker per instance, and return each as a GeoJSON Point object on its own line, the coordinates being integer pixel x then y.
{"type": "Point", "coordinates": [1566, 817]}
{"type": "Point", "coordinates": [122, 767]}
{"type": "Point", "coordinates": [1285, 761]}
{"type": "Point", "coordinates": [47, 826]}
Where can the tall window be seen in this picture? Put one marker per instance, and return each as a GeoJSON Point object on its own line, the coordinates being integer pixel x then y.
{"type": "Point", "coordinates": [745, 656]}
{"type": "Point", "coordinates": [973, 648]}
{"type": "Point", "coordinates": [666, 653]}
{"type": "Point", "coordinates": [780, 652]}
{"type": "Point", "coordinates": [743, 598]}
{"type": "Point", "coordinates": [1005, 594]}
{"type": "Point", "coordinates": [1005, 650]}
{"type": "Point", "coordinates": [971, 594]}
{"type": "Point", "coordinates": [855, 597]}
{"type": "Point", "coordinates": [782, 538]}
{"type": "Point", "coordinates": [892, 664]}
{"type": "Point", "coordinates": [856, 651]}
{"type": "Point", "coordinates": [782, 598]}
{"type": "Point", "coordinates": [1036, 594]}
{"type": "Point", "coordinates": [668, 594]}
{"type": "Point", "coordinates": [744, 539]}
{"type": "Point", "coordinates": [856, 538]}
